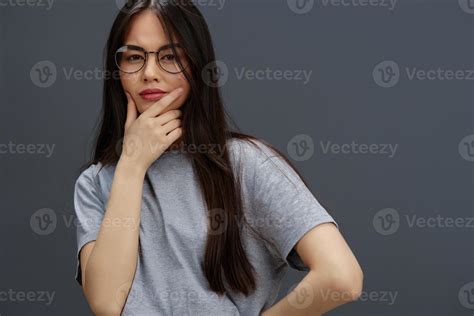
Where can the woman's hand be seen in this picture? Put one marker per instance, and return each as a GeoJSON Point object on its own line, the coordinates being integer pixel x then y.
{"type": "Point", "coordinates": [148, 135]}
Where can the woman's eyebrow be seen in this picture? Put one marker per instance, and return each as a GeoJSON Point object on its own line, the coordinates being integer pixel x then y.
{"type": "Point", "coordinates": [162, 47]}
{"type": "Point", "coordinates": [168, 45]}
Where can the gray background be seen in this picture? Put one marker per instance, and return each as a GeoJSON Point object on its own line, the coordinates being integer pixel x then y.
{"type": "Point", "coordinates": [426, 267]}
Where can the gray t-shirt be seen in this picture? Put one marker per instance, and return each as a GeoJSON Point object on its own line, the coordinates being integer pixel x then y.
{"type": "Point", "coordinates": [173, 229]}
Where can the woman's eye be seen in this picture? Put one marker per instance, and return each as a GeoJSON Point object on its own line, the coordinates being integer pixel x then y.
{"type": "Point", "coordinates": [168, 57]}
{"type": "Point", "coordinates": [134, 57]}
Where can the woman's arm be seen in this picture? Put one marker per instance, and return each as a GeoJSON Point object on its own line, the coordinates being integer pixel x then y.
{"type": "Point", "coordinates": [335, 277]}
{"type": "Point", "coordinates": [108, 264]}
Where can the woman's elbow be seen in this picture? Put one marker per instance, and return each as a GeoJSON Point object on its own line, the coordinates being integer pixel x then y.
{"type": "Point", "coordinates": [350, 283]}
{"type": "Point", "coordinates": [101, 309]}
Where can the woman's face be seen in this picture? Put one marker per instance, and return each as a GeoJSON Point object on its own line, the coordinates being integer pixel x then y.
{"type": "Point", "coordinates": [145, 30]}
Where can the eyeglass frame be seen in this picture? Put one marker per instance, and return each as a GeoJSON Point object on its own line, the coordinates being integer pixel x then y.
{"type": "Point", "coordinates": [135, 47]}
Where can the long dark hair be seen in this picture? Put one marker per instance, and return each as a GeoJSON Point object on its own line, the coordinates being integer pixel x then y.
{"type": "Point", "coordinates": [204, 121]}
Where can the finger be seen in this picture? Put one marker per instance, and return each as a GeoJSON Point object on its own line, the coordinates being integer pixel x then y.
{"type": "Point", "coordinates": [159, 106]}
{"type": "Point", "coordinates": [167, 116]}
{"type": "Point", "coordinates": [174, 135]}
{"type": "Point", "coordinates": [131, 111]}
{"type": "Point", "coordinates": [172, 125]}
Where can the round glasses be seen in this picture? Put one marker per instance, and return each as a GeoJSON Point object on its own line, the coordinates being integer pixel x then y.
{"type": "Point", "coordinates": [131, 58]}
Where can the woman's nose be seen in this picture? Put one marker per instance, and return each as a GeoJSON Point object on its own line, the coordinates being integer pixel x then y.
{"type": "Point", "coordinates": [152, 70]}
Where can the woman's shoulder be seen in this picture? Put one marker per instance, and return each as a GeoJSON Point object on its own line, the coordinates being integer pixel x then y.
{"type": "Point", "coordinates": [250, 149]}
{"type": "Point", "coordinates": [96, 173]}
{"type": "Point", "coordinates": [261, 158]}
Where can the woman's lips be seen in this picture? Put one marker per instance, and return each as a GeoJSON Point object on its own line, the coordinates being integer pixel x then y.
{"type": "Point", "coordinates": [153, 96]}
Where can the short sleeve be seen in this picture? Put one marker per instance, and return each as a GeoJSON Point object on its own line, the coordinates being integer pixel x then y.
{"type": "Point", "coordinates": [283, 208]}
{"type": "Point", "coordinates": [89, 210]}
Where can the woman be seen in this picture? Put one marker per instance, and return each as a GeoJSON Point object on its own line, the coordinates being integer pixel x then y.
{"type": "Point", "coordinates": [210, 227]}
